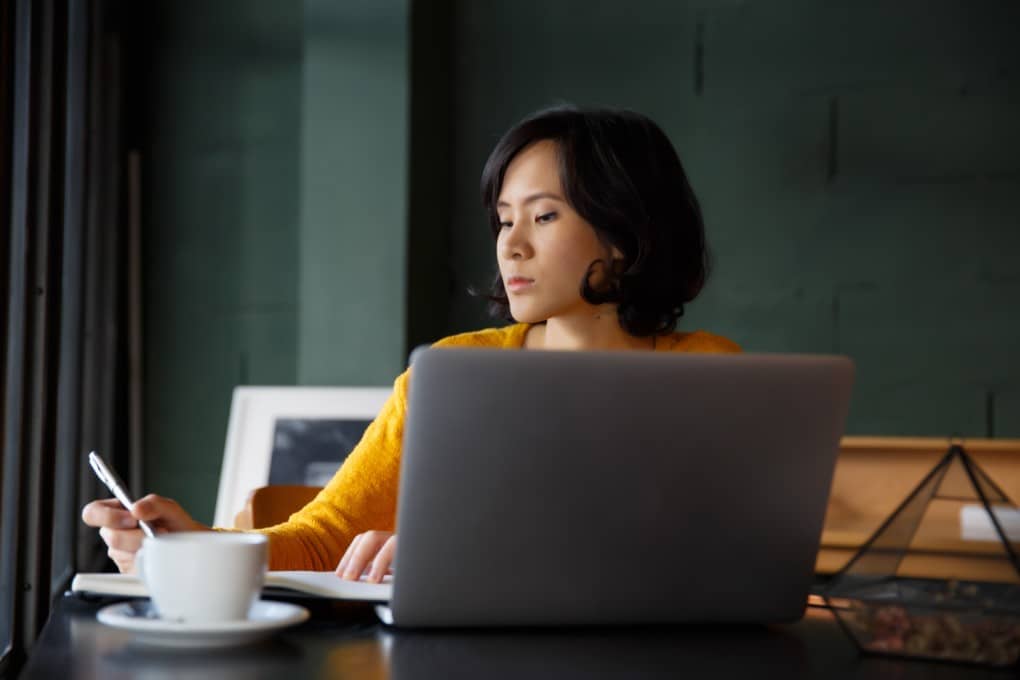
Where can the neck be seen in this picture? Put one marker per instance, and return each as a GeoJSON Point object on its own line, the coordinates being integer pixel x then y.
{"type": "Point", "coordinates": [598, 330]}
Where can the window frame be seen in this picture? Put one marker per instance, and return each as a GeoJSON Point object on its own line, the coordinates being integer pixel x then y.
{"type": "Point", "coordinates": [61, 174]}
{"type": "Point", "coordinates": [14, 328]}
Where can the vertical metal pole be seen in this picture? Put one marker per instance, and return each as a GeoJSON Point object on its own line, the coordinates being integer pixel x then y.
{"type": "Point", "coordinates": [69, 461]}
{"type": "Point", "coordinates": [13, 374]}
{"type": "Point", "coordinates": [135, 438]}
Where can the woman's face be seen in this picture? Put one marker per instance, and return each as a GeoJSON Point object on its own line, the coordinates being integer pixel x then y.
{"type": "Point", "coordinates": [544, 247]}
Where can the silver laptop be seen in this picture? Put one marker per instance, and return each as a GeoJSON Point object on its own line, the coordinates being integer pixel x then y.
{"type": "Point", "coordinates": [563, 488]}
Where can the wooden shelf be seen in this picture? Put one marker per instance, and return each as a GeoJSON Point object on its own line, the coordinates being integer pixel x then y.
{"type": "Point", "coordinates": [875, 474]}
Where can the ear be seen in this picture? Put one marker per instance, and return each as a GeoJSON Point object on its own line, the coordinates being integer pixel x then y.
{"type": "Point", "coordinates": [616, 262]}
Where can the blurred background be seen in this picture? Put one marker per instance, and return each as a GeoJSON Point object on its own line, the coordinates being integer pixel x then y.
{"type": "Point", "coordinates": [310, 188]}
{"type": "Point", "coordinates": [204, 194]}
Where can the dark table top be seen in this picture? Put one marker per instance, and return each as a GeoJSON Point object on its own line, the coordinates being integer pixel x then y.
{"type": "Point", "coordinates": [346, 641]}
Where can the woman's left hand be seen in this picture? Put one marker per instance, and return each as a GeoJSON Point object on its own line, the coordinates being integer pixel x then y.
{"type": "Point", "coordinates": [370, 552]}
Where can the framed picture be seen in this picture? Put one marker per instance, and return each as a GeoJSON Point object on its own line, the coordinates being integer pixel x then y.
{"type": "Point", "coordinates": [290, 435]}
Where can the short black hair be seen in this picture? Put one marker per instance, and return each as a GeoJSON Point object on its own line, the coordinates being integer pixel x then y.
{"type": "Point", "coordinates": [622, 175]}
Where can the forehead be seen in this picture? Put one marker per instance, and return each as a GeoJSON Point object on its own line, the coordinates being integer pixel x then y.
{"type": "Point", "coordinates": [535, 168]}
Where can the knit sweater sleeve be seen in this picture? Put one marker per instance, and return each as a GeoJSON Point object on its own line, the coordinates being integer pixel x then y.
{"type": "Point", "coordinates": [362, 496]}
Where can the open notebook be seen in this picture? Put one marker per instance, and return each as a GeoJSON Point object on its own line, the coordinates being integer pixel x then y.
{"type": "Point", "coordinates": [324, 584]}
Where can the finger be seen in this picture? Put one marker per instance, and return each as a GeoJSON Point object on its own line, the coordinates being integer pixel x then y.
{"type": "Point", "coordinates": [164, 511]}
{"type": "Point", "coordinates": [124, 560]}
{"type": "Point", "coordinates": [152, 507]}
{"type": "Point", "coordinates": [346, 559]}
{"type": "Point", "coordinates": [129, 541]}
{"type": "Point", "coordinates": [110, 502]}
{"type": "Point", "coordinates": [383, 560]}
{"type": "Point", "coordinates": [363, 554]}
{"type": "Point", "coordinates": [107, 513]}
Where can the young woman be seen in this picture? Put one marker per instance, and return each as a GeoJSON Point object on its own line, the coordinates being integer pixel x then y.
{"type": "Point", "coordinates": [600, 244]}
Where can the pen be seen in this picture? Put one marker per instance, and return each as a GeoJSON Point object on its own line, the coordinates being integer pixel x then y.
{"type": "Point", "coordinates": [109, 478]}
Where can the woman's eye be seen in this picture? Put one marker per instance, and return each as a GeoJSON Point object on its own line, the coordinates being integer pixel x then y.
{"type": "Point", "coordinates": [545, 217]}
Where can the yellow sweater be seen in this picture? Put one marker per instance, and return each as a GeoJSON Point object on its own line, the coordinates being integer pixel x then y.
{"type": "Point", "coordinates": [362, 496]}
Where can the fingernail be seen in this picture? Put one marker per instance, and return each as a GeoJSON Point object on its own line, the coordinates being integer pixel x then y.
{"type": "Point", "coordinates": [127, 523]}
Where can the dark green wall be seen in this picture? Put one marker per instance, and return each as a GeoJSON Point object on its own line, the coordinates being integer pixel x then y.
{"type": "Point", "coordinates": [858, 169]}
{"type": "Point", "coordinates": [221, 95]}
{"type": "Point", "coordinates": [311, 168]}
{"type": "Point", "coordinates": [274, 137]}
{"type": "Point", "coordinates": [354, 146]}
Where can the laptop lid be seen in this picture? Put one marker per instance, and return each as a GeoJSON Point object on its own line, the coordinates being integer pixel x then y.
{"type": "Point", "coordinates": [558, 488]}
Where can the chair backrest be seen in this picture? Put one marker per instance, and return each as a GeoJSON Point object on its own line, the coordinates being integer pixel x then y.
{"type": "Point", "coordinates": [271, 505]}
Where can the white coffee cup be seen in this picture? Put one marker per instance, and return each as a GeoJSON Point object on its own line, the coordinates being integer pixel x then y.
{"type": "Point", "coordinates": [203, 576]}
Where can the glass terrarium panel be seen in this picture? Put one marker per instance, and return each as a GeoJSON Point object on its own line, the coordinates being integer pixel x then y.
{"type": "Point", "coordinates": [958, 525]}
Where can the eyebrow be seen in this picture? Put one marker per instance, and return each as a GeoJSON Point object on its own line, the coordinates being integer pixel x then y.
{"type": "Point", "coordinates": [534, 197]}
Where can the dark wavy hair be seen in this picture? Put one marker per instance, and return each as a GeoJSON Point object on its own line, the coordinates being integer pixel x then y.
{"type": "Point", "coordinates": [622, 175]}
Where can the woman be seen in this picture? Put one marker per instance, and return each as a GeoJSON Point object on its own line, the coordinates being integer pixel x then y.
{"type": "Point", "coordinates": [600, 244]}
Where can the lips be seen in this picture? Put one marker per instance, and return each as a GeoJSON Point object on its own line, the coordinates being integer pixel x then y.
{"type": "Point", "coordinates": [518, 283]}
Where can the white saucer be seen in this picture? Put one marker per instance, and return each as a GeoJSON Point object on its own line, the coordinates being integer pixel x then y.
{"type": "Point", "coordinates": [138, 617]}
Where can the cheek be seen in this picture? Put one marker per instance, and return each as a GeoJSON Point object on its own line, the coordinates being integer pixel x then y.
{"type": "Point", "coordinates": [574, 265]}
{"type": "Point", "coordinates": [575, 256]}
{"type": "Point", "coordinates": [499, 250]}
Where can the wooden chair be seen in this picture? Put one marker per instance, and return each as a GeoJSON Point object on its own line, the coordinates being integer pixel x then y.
{"type": "Point", "coordinates": [270, 505]}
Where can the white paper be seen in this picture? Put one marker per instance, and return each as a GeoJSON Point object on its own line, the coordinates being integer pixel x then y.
{"type": "Point", "coordinates": [319, 583]}
{"type": "Point", "coordinates": [975, 525]}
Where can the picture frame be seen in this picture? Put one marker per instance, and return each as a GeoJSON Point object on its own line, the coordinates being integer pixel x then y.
{"type": "Point", "coordinates": [289, 435]}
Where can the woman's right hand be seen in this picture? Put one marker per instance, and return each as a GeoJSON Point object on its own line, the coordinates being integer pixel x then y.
{"type": "Point", "coordinates": [370, 554]}
{"type": "Point", "coordinates": [119, 528]}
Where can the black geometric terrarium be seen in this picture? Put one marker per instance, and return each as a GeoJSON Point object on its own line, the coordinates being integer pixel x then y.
{"type": "Point", "coordinates": [968, 619]}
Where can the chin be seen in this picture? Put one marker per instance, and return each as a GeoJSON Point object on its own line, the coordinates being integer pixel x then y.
{"type": "Point", "coordinates": [527, 315]}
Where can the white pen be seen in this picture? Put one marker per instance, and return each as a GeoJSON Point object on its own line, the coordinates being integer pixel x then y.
{"type": "Point", "coordinates": [116, 487]}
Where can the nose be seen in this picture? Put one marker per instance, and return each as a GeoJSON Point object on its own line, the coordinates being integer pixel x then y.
{"type": "Point", "coordinates": [514, 244]}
